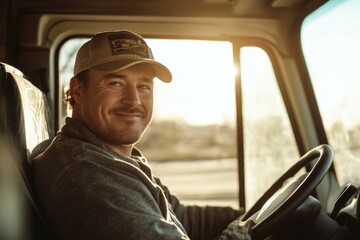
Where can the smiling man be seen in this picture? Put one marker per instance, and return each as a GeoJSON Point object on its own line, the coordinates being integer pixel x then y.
{"type": "Point", "coordinates": [116, 106]}
{"type": "Point", "coordinates": [91, 182]}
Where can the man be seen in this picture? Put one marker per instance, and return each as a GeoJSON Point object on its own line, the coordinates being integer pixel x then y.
{"type": "Point", "coordinates": [91, 182]}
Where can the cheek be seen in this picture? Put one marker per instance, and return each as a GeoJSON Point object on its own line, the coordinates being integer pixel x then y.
{"type": "Point", "coordinates": [148, 103]}
{"type": "Point", "coordinates": [100, 103]}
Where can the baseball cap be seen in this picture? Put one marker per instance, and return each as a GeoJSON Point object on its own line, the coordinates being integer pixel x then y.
{"type": "Point", "coordinates": [113, 51]}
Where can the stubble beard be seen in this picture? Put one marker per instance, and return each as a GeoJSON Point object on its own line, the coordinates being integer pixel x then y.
{"type": "Point", "coordinates": [125, 137]}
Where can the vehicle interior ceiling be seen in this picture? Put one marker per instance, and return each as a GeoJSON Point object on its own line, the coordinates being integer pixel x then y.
{"type": "Point", "coordinates": [55, 21]}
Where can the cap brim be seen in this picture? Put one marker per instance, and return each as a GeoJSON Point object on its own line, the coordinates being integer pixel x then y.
{"type": "Point", "coordinates": [160, 70]}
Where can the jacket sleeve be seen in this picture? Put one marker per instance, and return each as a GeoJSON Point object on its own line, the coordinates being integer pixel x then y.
{"type": "Point", "coordinates": [201, 223]}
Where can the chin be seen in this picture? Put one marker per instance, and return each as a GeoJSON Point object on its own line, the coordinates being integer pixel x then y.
{"type": "Point", "coordinates": [130, 141]}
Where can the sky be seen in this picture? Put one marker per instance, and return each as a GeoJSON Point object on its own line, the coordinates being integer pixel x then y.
{"type": "Point", "coordinates": [202, 90]}
{"type": "Point", "coordinates": [331, 44]}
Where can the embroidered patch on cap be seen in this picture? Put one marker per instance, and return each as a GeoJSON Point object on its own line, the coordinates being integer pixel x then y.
{"type": "Point", "coordinates": [128, 44]}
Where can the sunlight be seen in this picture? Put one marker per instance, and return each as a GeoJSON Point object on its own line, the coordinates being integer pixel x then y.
{"type": "Point", "coordinates": [203, 80]}
{"type": "Point", "coordinates": [332, 58]}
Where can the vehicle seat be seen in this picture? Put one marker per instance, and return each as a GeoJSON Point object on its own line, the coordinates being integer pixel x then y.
{"type": "Point", "coordinates": [24, 124]}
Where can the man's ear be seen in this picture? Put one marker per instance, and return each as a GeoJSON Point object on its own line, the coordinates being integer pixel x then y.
{"type": "Point", "coordinates": [76, 89]}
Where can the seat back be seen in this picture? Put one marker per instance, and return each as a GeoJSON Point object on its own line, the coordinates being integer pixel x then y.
{"type": "Point", "coordinates": [24, 124]}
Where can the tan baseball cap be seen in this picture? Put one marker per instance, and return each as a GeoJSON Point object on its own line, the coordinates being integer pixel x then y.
{"type": "Point", "coordinates": [117, 50]}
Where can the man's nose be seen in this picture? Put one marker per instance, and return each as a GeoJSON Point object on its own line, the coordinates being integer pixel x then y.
{"type": "Point", "coordinates": [131, 97]}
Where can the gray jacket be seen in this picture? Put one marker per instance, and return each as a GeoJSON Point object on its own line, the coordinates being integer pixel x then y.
{"type": "Point", "coordinates": [88, 191]}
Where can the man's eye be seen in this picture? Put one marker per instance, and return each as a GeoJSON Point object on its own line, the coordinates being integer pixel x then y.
{"type": "Point", "coordinates": [116, 84]}
{"type": "Point", "coordinates": [146, 87]}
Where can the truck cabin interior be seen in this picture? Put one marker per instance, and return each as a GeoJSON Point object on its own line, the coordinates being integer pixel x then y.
{"type": "Point", "coordinates": [31, 33]}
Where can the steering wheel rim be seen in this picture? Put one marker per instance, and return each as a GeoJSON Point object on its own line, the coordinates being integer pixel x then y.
{"type": "Point", "coordinates": [265, 226]}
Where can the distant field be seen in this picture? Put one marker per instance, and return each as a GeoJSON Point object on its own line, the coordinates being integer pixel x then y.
{"type": "Point", "coordinates": [201, 182]}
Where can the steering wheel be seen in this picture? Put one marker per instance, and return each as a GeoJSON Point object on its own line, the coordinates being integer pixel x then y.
{"type": "Point", "coordinates": [277, 204]}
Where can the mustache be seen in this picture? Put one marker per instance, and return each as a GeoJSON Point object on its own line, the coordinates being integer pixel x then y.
{"type": "Point", "coordinates": [128, 110]}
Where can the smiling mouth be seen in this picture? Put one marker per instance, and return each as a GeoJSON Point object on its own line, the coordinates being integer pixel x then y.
{"type": "Point", "coordinates": [129, 115]}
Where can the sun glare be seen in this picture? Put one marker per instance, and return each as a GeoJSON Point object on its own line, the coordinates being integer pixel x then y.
{"type": "Point", "coordinates": [203, 88]}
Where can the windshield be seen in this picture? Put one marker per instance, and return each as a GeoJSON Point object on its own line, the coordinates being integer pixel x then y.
{"type": "Point", "coordinates": [331, 44]}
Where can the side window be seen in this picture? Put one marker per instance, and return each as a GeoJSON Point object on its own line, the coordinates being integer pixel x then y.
{"type": "Point", "coordinates": [191, 143]}
{"type": "Point", "coordinates": [269, 144]}
{"type": "Point", "coordinates": [331, 44]}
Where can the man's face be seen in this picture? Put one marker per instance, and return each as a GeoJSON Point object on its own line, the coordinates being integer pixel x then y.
{"type": "Point", "coordinates": [118, 106]}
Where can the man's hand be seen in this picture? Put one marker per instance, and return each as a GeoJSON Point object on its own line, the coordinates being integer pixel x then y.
{"type": "Point", "coordinates": [237, 230]}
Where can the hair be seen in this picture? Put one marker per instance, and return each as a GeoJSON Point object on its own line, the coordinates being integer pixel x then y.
{"type": "Point", "coordinates": [82, 77]}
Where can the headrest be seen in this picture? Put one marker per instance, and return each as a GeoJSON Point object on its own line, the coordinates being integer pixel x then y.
{"type": "Point", "coordinates": [30, 104]}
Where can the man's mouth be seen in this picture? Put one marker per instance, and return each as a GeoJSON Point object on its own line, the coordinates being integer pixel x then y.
{"type": "Point", "coordinates": [131, 113]}
{"type": "Point", "coordinates": [126, 114]}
